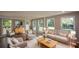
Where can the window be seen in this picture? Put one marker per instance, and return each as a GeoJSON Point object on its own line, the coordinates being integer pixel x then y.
{"type": "Point", "coordinates": [34, 25]}
{"type": "Point", "coordinates": [50, 23]}
{"type": "Point", "coordinates": [7, 23]}
{"type": "Point", "coordinates": [68, 23]}
{"type": "Point", "coordinates": [27, 25]}
{"type": "Point", "coordinates": [17, 22]}
{"type": "Point", "coordinates": [41, 24]}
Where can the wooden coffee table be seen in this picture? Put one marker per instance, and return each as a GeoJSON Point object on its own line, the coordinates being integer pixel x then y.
{"type": "Point", "coordinates": [46, 43]}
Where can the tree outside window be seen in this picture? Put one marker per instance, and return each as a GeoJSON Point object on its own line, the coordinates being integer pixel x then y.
{"type": "Point", "coordinates": [50, 23]}
{"type": "Point", "coordinates": [34, 25]}
{"type": "Point", "coordinates": [67, 23]}
{"type": "Point", "coordinates": [41, 24]}
{"type": "Point", "coordinates": [7, 23]}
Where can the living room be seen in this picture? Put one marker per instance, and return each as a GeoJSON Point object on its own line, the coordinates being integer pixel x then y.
{"type": "Point", "coordinates": [43, 29]}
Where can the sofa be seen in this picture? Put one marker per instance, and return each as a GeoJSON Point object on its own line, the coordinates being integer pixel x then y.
{"type": "Point", "coordinates": [61, 36]}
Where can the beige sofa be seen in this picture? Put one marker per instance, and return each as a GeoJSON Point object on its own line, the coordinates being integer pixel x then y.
{"type": "Point", "coordinates": [61, 36]}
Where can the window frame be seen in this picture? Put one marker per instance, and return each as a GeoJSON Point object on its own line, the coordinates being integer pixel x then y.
{"type": "Point", "coordinates": [3, 19]}
{"type": "Point", "coordinates": [33, 24]}
{"type": "Point", "coordinates": [47, 23]}
{"type": "Point", "coordinates": [42, 19]}
{"type": "Point", "coordinates": [68, 17]}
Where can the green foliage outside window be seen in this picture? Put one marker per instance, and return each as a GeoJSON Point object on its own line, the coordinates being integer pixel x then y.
{"type": "Point", "coordinates": [7, 23]}
{"type": "Point", "coordinates": [50, 22]}
{"type": "Point", "coordinates": [67, 23]}
{"type": "Point", "coordinates": [34, 23]}
{"type": "Point", "coordinates": [41, 23]}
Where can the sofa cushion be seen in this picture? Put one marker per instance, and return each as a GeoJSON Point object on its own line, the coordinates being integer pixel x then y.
{"type": "Point", "coordinates": [58, 37]}
{"type": "Point", "coordinates": [61, 38]}
{"type": "Point", "coordinates": [63, 33]}
{"type": "Point", "coordinates": [14, 41]}
{"type": "Point", "coordinates": [20, 39]}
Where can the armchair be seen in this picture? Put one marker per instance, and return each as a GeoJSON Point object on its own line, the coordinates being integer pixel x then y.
{"type": "Point", "coordinates": [16, 43]}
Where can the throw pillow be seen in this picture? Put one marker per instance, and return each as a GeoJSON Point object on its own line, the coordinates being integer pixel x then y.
{"type": "Point", "coordinates": [14, 41]}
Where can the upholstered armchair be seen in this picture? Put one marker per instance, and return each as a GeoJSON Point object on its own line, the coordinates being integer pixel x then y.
{"type": "Point", "coordinates": [17, 43]}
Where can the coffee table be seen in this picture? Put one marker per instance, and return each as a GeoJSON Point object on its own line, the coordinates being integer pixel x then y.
{"type": "Point", "coordinates": [46, 43]}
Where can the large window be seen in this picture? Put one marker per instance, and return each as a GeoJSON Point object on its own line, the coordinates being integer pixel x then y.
{"type": "Point", "coordinates": [50, 23]}
{"type": "Point", "coordinates": [67, 23]}
{"type": "Point", "coordinates": [34, 25]}
{"type": "Point", "coordinates": [41, 24]}
{"type": "Point", "coordinates": [7, 24]}
{"type": "Point", "coordinates": [17, 22]}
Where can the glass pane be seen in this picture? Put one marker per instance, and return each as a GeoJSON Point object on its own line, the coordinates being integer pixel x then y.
{"type": "Point", "coordinates": [67, 23]}
{"type": "Point", "coordinates": [34, 25]}
{"type": "Point", "coordinates": [7, 23]}
{"type": "Point", "coordinates": [17, 22]}
{"type": "Point", "coordinates": [41, 24]}
{"type": "Point", "coordinates": [50, 23]}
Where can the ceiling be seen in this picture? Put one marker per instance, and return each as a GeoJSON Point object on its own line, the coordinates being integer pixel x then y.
{"type": "Point", "coordinates": [30, 14]}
